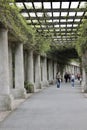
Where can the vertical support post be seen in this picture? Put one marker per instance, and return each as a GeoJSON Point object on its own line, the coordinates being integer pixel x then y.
{"type": "Point", "coordinates": [10, 67]}
{"type": "Point", "coordinates": [19, 72]}
{"type": "Point", "coordinates": [5, 97]}
{"type": "Point", "coordinates": [44, 69]}
{"type": "Point", "coordinates": [37, 72]}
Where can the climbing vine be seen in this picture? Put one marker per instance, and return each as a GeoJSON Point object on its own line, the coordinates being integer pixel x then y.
{"type": "Point", "coordinates": [81, 44]}
{"type": "Point", "coordinates": [42, 42]}
{"type": "Point", "coordinates": [11, 19]}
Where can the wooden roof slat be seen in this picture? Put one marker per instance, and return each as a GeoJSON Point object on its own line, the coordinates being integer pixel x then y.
{"type": "Point", "coordinates": [59, 28]}
{"type": "Point", "coordinates": [55, 23]}
{"type": "Point", "coordinates": [54, 10]}
{"type": "Point", "coordinates": [46, 0]}
{"type": "Point", "coordinates": [67, 25]}
{"type": "Point", "coordinates": [59, 17]}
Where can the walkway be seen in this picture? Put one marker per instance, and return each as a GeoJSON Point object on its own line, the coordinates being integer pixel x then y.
{"type": "Point", "coordinates": [53, 108]}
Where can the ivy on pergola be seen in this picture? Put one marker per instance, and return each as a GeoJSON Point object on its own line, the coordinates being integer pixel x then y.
{"type": "Point", "coordinates": [61, 18]}
{"type": "Point", "coordinates": [62, 22]}
{"type": "Point", "coordinates": [18, 29]}
{"type": "Point", "coordinates": [81, 43]}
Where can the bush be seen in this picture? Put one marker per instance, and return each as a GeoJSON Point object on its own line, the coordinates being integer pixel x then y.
{"type": "Point", "coordinates": [29, 87]}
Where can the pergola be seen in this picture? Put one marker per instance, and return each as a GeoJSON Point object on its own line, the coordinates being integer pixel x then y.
{"type": "Point", "coordinates": [59, 18]}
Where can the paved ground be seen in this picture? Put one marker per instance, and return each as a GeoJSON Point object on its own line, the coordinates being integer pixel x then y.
{"type": "Point", "coordinates": [53, 108]}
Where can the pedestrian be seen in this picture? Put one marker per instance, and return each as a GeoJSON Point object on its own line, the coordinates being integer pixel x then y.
{"type": "Point", "coordinates": [66, 77]}
{"type": "Point", "coordinates": [58, 77]}
{"type": "Point", "coordinates": [80, 79]}
{"type": "Point", "coordinates": [72, 80]}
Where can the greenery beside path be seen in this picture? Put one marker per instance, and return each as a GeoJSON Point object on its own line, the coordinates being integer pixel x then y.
{"type": "Point", "coordinates": [19, 31]}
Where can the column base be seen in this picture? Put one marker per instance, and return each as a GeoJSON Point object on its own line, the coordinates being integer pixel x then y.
{"type": "Point", "coordinates": [6, 102]}
{"type": "Point", "coordinates": [84, 87]}
{"type": "Point", "coordinates": [54, 81]}
{"type": "Point", "coordinates": [84, 90]}
{"type": "Point", "coordinates": [38, 85]}
{"type": "Point", "coordinates": [19, 93]}
{"type": "Point", "coordinates": [51, 82]}
{"type": "Point", "coordinates": [45, 84]}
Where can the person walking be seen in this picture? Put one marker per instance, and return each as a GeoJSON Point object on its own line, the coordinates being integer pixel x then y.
{"type": "Point", "coordinates": [66, 77]}
{"type": "Point", "coordinates": [72, 80]}
{"type": "Point", "coordinates": [58, 77]}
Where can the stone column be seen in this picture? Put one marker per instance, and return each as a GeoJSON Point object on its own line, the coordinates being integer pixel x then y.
{"type": "Point", "coordinates": [44, 72]}
{"type": "Point", "coordinates": [73, 69]}
{"type": "Point", "coordinates": [30, 70]}
{"type": "Point", "coordinates": [84, 72]}
{"type": "Point", "coordinates": [83, 79]}
{"type": "Point", "coordinates": [25, 65]}
{"type": "Point", "coordinates": [30, 75]}
{"type": "Point", "coordinates": [37, 72]}
{"type": "Point", "coordinates": [5, 97]}
{"type": "Point", "coordinates": [10, 67]}
{"type": "Point", "coordinates": [50, 72]}
{"type": "Point", "coordinates": [55, 70]}
{"type": "Point", "coordinates": [19, 72]}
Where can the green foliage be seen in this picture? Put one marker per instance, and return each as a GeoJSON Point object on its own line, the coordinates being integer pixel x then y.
{"type": "Point", "coordinates": [42, 42]}
{"type": "Point", "coordinates": [64, 54]}
{"type": "Point", "coordinates": [81, 44]}
{"type": "Point", "coordinates": [62, 47]}
{"type": "Point", "coordinates": [18, 29]}
{"type": "Point", "coordinates": [29, 87]}
{"type": "Point", "coordinates": [6, 1]}
{"type": "Point", "coordinates": [11, 19]}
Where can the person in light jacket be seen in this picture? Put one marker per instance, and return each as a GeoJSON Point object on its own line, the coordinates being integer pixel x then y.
{"type": "Point", "coordinates": [72, 80]}
{"type": "Point", "coordinates": [58, 77]}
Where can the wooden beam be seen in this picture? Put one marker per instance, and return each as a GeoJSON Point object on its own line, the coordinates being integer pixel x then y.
{"type": "Point", "coordinates": [46, 0]}
{"type": "Point", "coordinates": [54, 10]}
{"type": "Point", "coordinates": [59, 17]}
{"type": "Point", "coordinates": [54, 23]}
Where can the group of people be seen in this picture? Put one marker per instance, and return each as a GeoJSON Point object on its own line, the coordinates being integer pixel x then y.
{"type": "Point", "coordinates": [68, 78]}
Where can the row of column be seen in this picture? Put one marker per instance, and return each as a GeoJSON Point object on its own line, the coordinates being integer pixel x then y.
{"type": "Point", "coordinates": [15, 69]}
{"type": "Point", "coordinates": [39, 70]}
{"type": "Point", "coordinates": [72, 69]}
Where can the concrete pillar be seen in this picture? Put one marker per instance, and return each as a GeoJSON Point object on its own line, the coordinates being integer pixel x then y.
{"type": "Point", "coordinates": [30, 70]}
{"type": "Point", "coordinates": [73, 69]}
{"type": "Point", "coordinates": [50, 67]}
{"type": "Point", "coordinates": [5, 97]}
{"type": "Point", "coordinates": [19, 72]}
{"type": "Point", "coordinates": [37, 72]}
{"type": "Point", "coordinates": [55, 71]}
{"type": "Point", "coordinates": [84, 72]}
{"type": "Point", "coordinates": [25, 65]}
{"type": "Point", "coordinates": [10, 67]}
{"type": "Point", "coordinates": [51, 70]}
{"type": "Point", "coordinates": [83, 79]}
{"type": "Point", "coordinates": [44, 72]}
